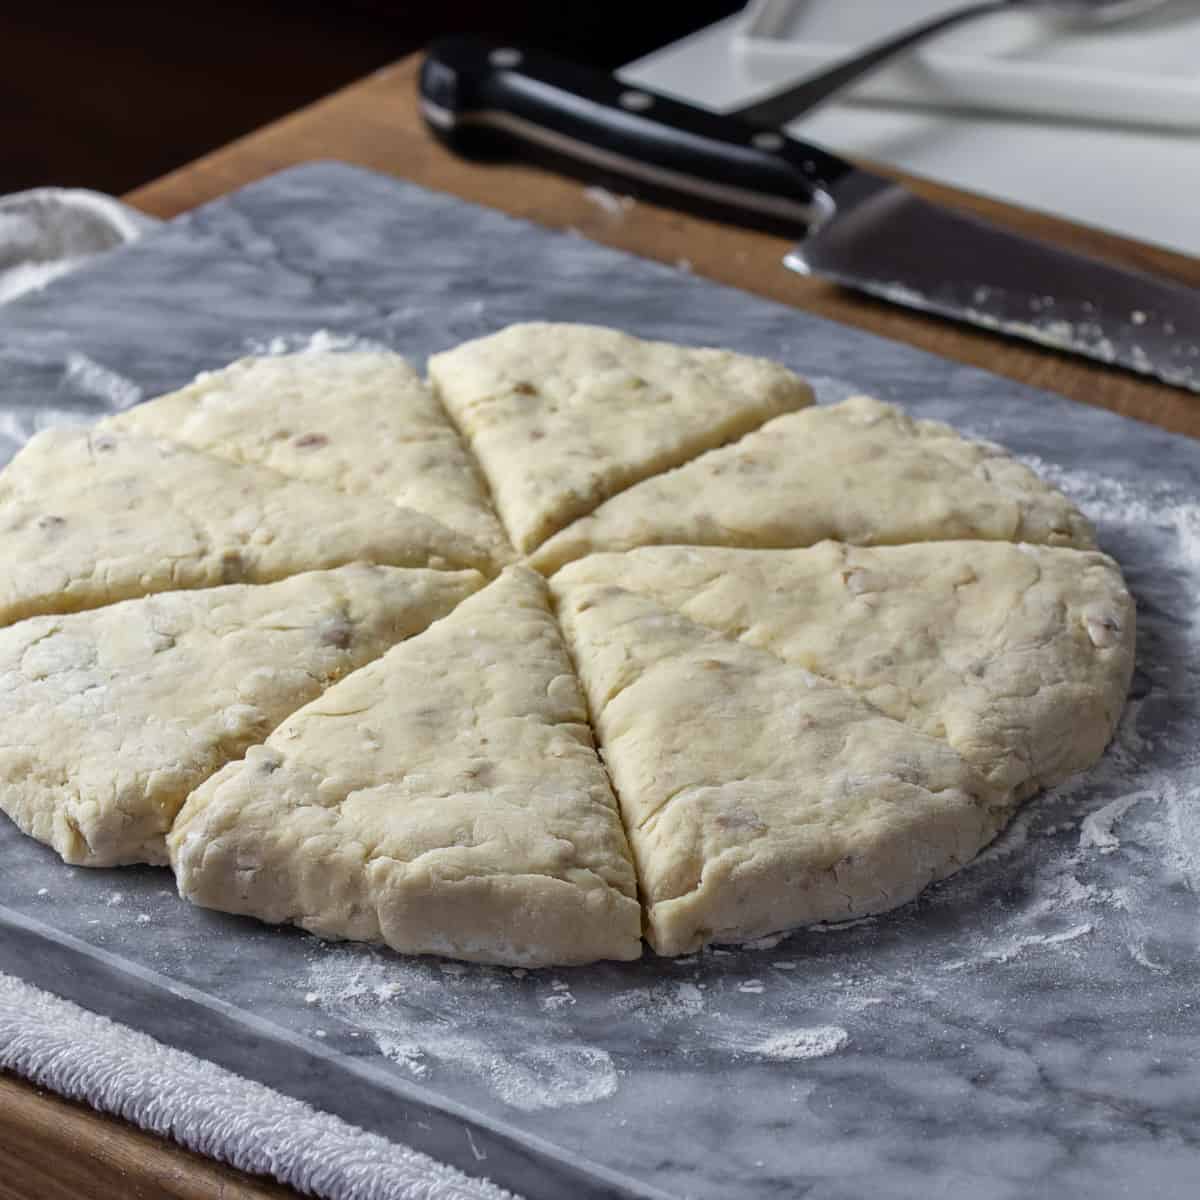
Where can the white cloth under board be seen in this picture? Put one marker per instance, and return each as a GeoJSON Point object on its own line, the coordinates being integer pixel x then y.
{"type": "Point", "coordinates": [66, 1049]}
{"type": "Point", "coordinates": [46, 232]}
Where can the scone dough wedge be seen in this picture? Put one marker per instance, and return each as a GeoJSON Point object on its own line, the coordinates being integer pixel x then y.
{"type": "Point", "coordinates": [758, 796]}
{"type": "Point", "coordinates": [108, 719]}
{"type": "Point", "coordinates": [359, 422]}
{"type": "Point", "coordinates": [1019, 657]}
{"type": "Point", "coordinates": [445, 799]}
{"type": "Point", "coordinates": [88, 519]}
{"type": "Point", "coordinates": [561, 417]}
{"type": "Point", "coordinates": [861, 471]}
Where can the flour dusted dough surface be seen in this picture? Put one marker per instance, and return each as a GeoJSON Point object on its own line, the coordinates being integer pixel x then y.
{"type": "Point", "coordinates": [1018, 656]}
{"type": "Point", "coordinates": [814, 735]}
{"type": "Point", "coordinates": [758, 796]}
{"type": "Point", "coordinates": [861, 471]}
{"type": "Point", "coordinates": [359, 422]}
{"type": "Point", "coordinates": [563, 416]}
{"type": "Point", "coordinates": [826, 651]}
{"type": "Point", "coordinates": [109, 718]}
{"type": "Point", "coordinates": [87, 519]}
{"type": "Point", "coordinates": [446, 799]}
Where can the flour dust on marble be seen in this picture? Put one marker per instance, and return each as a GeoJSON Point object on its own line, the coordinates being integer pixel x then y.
{"type": "Point", "coordinates": [424, 1015]}
{"type": "Point", "coordinates": [91, 378]}
{"type": "Point", "coordinates": [794, 1044]}
{"type": "Point", "coordinates": [322, 341]}
{"type": "Point", "coordinates": [1097, 854]}
{"type": "Point", "coordinates": [464, 320]}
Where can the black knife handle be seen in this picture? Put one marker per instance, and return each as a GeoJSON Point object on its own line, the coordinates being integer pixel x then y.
{"type": "Point", "coordinates": [476, 93]}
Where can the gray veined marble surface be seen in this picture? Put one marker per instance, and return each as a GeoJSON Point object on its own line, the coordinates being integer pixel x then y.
{"type": "Point", "coordinates": [1027, 1029]}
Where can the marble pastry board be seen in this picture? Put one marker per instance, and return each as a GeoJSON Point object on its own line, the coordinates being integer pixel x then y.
{"type": "Point", "coordinates": [1029, 1028]}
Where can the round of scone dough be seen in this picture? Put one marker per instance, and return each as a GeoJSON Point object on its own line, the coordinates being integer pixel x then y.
{"type": "Point", "coordinates": [764, 663]}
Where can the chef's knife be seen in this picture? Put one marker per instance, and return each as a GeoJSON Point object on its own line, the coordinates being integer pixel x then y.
{"type": "Point", "coordinates": [857, 229]}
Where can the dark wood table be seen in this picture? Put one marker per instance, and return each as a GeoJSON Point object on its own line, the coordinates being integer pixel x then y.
{"type": "Point", "coordinates": [51, 1148]}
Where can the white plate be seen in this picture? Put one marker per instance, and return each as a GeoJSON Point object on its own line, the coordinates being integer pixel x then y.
{"type": "Point", "coordinates": [1136, 72]}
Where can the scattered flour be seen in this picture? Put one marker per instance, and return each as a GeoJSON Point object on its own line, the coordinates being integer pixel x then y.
{"type": "Point", "coordinates": [1109, 502]}
{"type": "Point", "coordinates": [1138, 953]}
{"type": "Point", "coordinates": [765, 943]}
{"type": "Point", "coordinates": [839, 926]}
{"type": "Point", "coordinates": [818, 1041]}
{"type": "Point", "coordinates": [94, 379]}
{"type": "Point", "coordinates": [1010, 841]}
{"type": "Point", "coordinates": [1097, 829]}
{"type": "Point", "coordinates": [553, 1077]}
{"type": "Point", "coordinates": [434, 1017]}
{"type": "Point", "coordinates": [609, 202]}
{"type": "Point", "coordinates": [664, 1003]}
{"type": "Point", "coordinates": [405, 1053]}
{"type": "Point", "coordinates": [1182, 843]}
{"type": "Point", "coordinates": [323, 341]}
{"type": "Point", "coordinates": [1027, 941]}
{"type": "Point", "coordinates": [858, 1003]}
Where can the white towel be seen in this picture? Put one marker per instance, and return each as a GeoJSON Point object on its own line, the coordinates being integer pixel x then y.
{"type": "Point", "coordinates": [65, 1048]}
{"type": "Point", "coordinates": [47, 232]}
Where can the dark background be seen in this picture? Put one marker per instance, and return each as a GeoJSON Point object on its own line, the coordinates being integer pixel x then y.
{"type": "Point", "coordinates": [111, 95]}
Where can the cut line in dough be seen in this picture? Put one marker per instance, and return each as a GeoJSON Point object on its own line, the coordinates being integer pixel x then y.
{"type": "Point", "coordinates": [561, 417]}
{"type": "Point", "coordinates": [861, 472]}
{"type": "Point", "coordinates": [109, 718]}
{"type": "Point", "coordinates": [446, 799]}
{"type": "Point", "coordinates": [362, 423]}
{"type": "Point", "coordinates": [89, 519]}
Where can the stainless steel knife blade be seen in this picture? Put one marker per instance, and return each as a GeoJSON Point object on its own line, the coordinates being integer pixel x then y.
{"type": "Point", "coordinates": [882, 239]}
